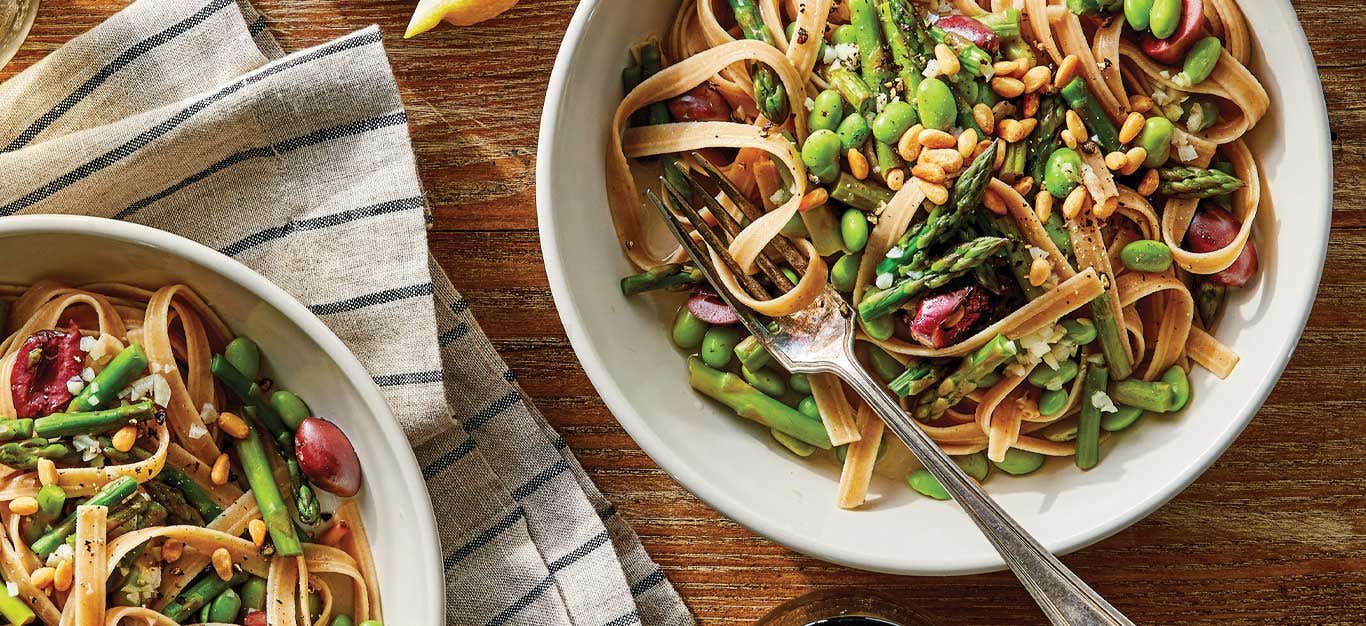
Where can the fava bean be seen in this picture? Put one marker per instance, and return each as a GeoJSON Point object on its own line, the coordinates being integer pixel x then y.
{"type": "Point", "coordinates": [975, 465]}
{"type": "Point", "coordinates": [821, 154]}
{"type": "Point", "coordinates": [718, 346]}
{"type": "Point", "coordinates": [225, 607]}
{"type": "Point", "coordinates": [1081, 330]}
{"type": "Point", "coordinates": [854, 132]}
{"type": "Point", "coordinates": [1019, 462]}
{"type": "Point", "coordinates": [1181, 386]}
{"type": "Point", "coordinates": [808, 408]}
{"type": "Point", "coordinates": [878, 328]}
{"type": "Point", "coordinates": [799, 383]}
{"type": "Point", "coordinates": [1164, 17]}
{"type": "Point", "coordinates": [290, 407]}
{"type": "Point", "coordinates": [1156, 138]}
{"type": "Point", "coordinates": [1121, 419]}
{"type": "Point", "coordinates": [1146, 255]}
{"type": "Point", "coordinates": [1052, 402]}
{"type": "Point", "coordinates": [1062, 172]}
{"type": "Point", "coordinates": [243, 354]}
{"type": "Point", "coordinates": [1201, 59]}
{"type": "Point", "coordinates": [765, 380]}
{"type": "Point", "coordinates": [1136, 13]}
{"type": "Point", "coordinates": [845, 34]}
{"type": "Point", "coordinates": [827, 112]}
{"type": "Point", "coordinates": [687, 330]}
{"type": "Point", "coordinates": [1152, 396]}
{"type": "Point", "coordinates": [935, 105]}
{"type": "Point", "coordinates": [854, 230]}
{"type": "Point", "coordinates": [342, 620]}
{"type": "Point", "coordinates": [894, 120]}
{"type": "Point", "coordinates": [1062, 431]}
{"type": "Point", "coordinates": [844, 273]}
{"type": "Point", "coordinates": [886, 367]}
{"type": "Point", "coordinates": [925, 484]}
{"type": "Point", "coordinates": [1049, 379]}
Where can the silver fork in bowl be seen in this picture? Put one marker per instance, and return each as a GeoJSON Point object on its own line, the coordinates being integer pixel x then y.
{"type": "Point", "coordinates": [819, 339]}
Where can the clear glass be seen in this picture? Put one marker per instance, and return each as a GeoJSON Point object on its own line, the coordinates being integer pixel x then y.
{"type": "Point", "coordinates": [16, 16]}
{"type": "Point", "coordinates": [843, 608]}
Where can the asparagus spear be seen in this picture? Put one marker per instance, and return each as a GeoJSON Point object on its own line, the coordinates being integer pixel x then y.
{"type": "Point", "coordinates": [206, 588]}
{"type": "Point", "coordinates": [1088, 422]}
{"type": "Point", "coordinates": [1196, 182]}
{"type": "Point", "coordinates": [1079, 97]}
{"type": "Point", "coordinates": [51, 499]}
{"type": "Point", "coordinates": [957, 262]}
{"type": "Point", "coordinates": [21, 428]}
{"type": "Point", "coordinates": [968, 190]}
{"type": "Point", "coordinates": [651, 61]}
{"type": "Point", "coordinates": [1051, 117]}
{"type": "Point", "coordinates": [305, 500]}
{"type": "Point", "coordinates": [852, 88]}
{"type": "Point", "coordinates": [1057, 231]}
{"type": "Point", "coordinates": [932, 404]}
{"type": "Point", "coordinates": [973, 59]}
{"type": "Point", "coordinates": [670, 276]}
{"type": "Point", "coordinates": [863, 195]}
{"type": "Point", "coordinates": [251, 396]}
{"type": "Point", "coordinates": [13, 609]}
{"type": "Point", "coordinates": [1018, 259]}
{"type": "Point", "coordinates": [251, 452]}
{"type": "Point", "coordinates": [769, 93]}
{"type": "Point", "coordinates": [92, 422]}
{"type": "Point", "coordinates": [876, 63]}
{"type": "Point", "coordinates": [1111, 337]}
{"type": "Point", "coordinates": [113, 492]}
{"type": "Point", "coordinates": [751, 353]}
{"type": "Point", "coordinates": [1014, 164]}
{"type": "Point", "coordinates": [750, 403]}
{"type": "Point", "coordinates": [105, 388]}
{"type": "Point", "coordinates": [917, 378]}
{"type": "Point", "coordinates": [25, 454]}
{"type": "Point", "coordinates": [905, 50]}
{"type": "Point", "coordinates": [190, 490]}
{"type": "Point", "coordinates": [1208, 298]}
{"type": "Point", "coordinates": [177, 507]}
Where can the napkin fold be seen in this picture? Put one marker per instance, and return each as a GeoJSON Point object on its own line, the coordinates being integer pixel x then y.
{"type": "Point", "coordinates": [186, 115]}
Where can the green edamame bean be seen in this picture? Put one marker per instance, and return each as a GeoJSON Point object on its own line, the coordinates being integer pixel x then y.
{"type": "Point", "coordinates": [1164, 18]}
{"type": "Point", "coordinates": [878, 328]}
{"type": "Point", "coordinates": [253, 593]}
{"type": "Point", "coordinates": [1201, 59]}
{"type": "Point", "coordinates": [718, 346]}
{"type": "Point", "coordinates": [924, 483]}
{"type": "Point", "coordinates": [827, 112]}
{"type": "Point", "coordinates": [845, 34]}
{"type": "Point", "coordinates": [799, 383]}
{"type": "Point", "coordinates": [1052, 402]}
{"type": "Point", "coordinates": [791, 31]}
{"type": "Point", "coordinates": [1156, 138]}
{"type": "Point", "coordinates": [854, 230]}
{"type": "Point", "coordinates": [1146, 255]}
{"type": "Point", "coordinates": [1197, 114]}
{"type": "Point", "coordinates": [1049, 379]}
{"type": "Point", "coordinates": [894, 120]}
{"type": "Point", "coordinates": [290, 407]}
{"type": "Point", "coordinates": [370, 622]}
{"type": "Point", "coordinates": [886, 367]}
{"type": "Point", "coordinates": [687, 330]}
{"type": "Point", "coordinates": [225, 607]}
{"type": "Point", "coordinates": [1063, 431]}
{"type": "Point", "coordinates": [1019, 462]}
{"type": "Point", "coordinates": [765, 380]}
{"type": "Point", "coordinates": [1136, 12]}
{"type": "Point", "coordinates": [342, 620]}
{"type": "Point", "coordinates": [821, 154]}
{"type": "Point", "coordinates": [1081, 330]}
{"type": "Point", "coordinates": [795, 227]}
{"type": "Point", "coordinates": [243, 354]}
{"type": "Point", "coordinates": [934, 103]}
{"type": "Point", "coordinates": [844, 273]}
{"type": "Point", "coordinates": [1062, 172]}
{"type": "Point", "coordinates": [808, 408]}
{"type": "Point", "coordinates": [854, 132]}
{"type": "Point", "coordinates": [1121, 419]}
{"type": "Point", "coordinates": [975, 465]}
{"type": "Point", "coordinates": [1181, 386]}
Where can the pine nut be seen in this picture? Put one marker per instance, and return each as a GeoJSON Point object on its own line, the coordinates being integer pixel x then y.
{"type": "Point", "coordinates": [1067, 70]}
{"type": "Point", "coordinates": [929, 172]}
{"type": "Point", "coordinates": [1000, 157]}
{"type": "Point", "coordinates": [335, 534]}
{"type": "Point", "coordinates": [895, 179]}
{"type": "Point", "coordinates": [1037, 78]}
{"type": "Point", "coordinates": [947, 158]}
{"type": "Point", "coordinates": [1007, 87]}
{"type": "Point", "coordinates": [1134, 158]}
{"type": "Point", "coordinates": [1140, 103]}
{"type": "Point", "coordinates": [934, 139]}
{"type": "Point", "coordinates": [42, 577]}
{"type": "Point", "coordinates": [47, 472]}
{"type": "Point", "coordinates": [23, 505]}
{"type": "Point", "coordinates": [1075, 202]}
{"type": "Point", "coordinates": [1077, 127]}
{"type": "Point", "coordinates": [171, 550]}
{"type": "Point", "coordinates": [1024, 185]}
{"type": "Point", "coordinates": [1015, 131]}
{"type": "Point", "coordinates": [1030, 107]}
{"type": "Point", "coordinates": [257, 529]}
{"type": "Point", "coordinates": [948, 61]}
{"type": "Point", "coordinates": [1148, 185]}
{"type": "Point", "coordinates": [967, 142]}
{"type": "Point", "coordinates": [981, 147]}
{"type": "Point", "coordinates": [1132, 126]}
{"type": "Point", "coordinates": [1115, 161]}
{"type": "Point", "coordinates": [1043, 205]}
{"type": "Point", "coordinates": [1106, 209]}
{"type": "Point", "coordinates": [814, 198]}
{"type": "Point", "coordinates": [982, 114]}
{"type": "Point", "coordinates": [222, 563]}
{"type": "Point", "coordinates": [993, 202]}
{"type": "Point", "coordinates": [858, 164]}
{"type": "Point", "coordinates": [233, 425]}
{"type": "Point", "coordinates": [1003, 68]}
{"type": "Point", "coordinates": [64, 575]}
{"type": "Point", "coordinates": [124, 438]}
{"type": "Point", "coordinates": [909, 144]}
{"type": "Point", "coordinates": [935, 193]}
{"type": "Point", "coordinates": [1067, 139]}
{"type": "Point", "coordinates": [1039, 271]}
{"type": "Point", "coordinates": [219, 474]}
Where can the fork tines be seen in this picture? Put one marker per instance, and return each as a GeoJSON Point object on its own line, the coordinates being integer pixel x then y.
{"type": "Point", "coordinates": [711, 238]}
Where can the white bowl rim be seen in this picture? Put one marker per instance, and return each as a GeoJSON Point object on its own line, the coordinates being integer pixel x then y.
{"type": "Point", "coordinates": [660, 451]}
{"type": "Point", "coordinates": [405, 464]}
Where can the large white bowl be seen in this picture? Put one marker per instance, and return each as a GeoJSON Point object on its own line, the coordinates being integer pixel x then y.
{"type": "Point", "coordinates": [300, 352]}
{"type": "Point", "coordinates": [735, 466]}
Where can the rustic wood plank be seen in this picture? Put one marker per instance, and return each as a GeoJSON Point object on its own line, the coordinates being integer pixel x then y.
{"type": "Point", "coordinates": [1275, 532]}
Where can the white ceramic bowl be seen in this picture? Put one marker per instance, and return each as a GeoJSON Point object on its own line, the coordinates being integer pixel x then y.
{"type": "Point", "coordinates": [737, 468]}
{"type": "Point", "coordinates": [299, 351]}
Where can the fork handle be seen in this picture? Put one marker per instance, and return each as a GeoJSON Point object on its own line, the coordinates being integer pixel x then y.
{"type": "Point", "coordinates": [1062, 596]}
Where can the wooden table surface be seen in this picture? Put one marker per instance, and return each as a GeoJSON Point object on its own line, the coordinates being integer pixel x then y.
{"type": "Point", "coordinates": [1275, 532]}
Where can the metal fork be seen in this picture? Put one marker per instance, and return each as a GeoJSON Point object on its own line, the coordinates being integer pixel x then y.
{"type": "Point", "coordinates": [820, 340]}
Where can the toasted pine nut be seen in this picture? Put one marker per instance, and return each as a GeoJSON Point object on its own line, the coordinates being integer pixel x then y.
{"type": "Point", "coordinates": [1030, 107]}
{"type": "Point", "coordinates": [1019, 130]}
{"type": "Point", "coordinates": [219, 473]}
{"type": "Point", "coordinates": [1039, 271]}
{"type": "Point", "coordinates": [895, 179]}
{"type": "Point", "coordinates": [1043, 205]}
{"type": "Point", "coordinates": [1148, 185]}
{"type": "Point", "coordinates": [23, 505]}
{"type": "Point", "coordinates": [981, 114]}
{"type": "Point", "coordinates": [947, 158]}
{"type": "Point", "coordinates": [125, 437]}
{"type": "Point", "coordinates": [64, 575]}
{"type": "Point", "coordinates": [1115, 161]}
{"type": "Point", "coordinates": [1077, 127]}
{"type": "Point", "coordinates": [171, 550]}
{"type": "Point", "coordinates": [929, 172]}
{"type": "Point", "coordinates": [1007, 87]}
{"type": "Point", "coordinates": [935, 193]}
{"type": "Point", "coordinates": [1067, 139]}
{"type": "Point", "coordinates": [1132, 126]}
{"type": "Point", "coordinates": [814, 198]}
{"type": "Point", "coordinates": [1075, 202]}
{"type": "Point", "coordinates": [335, 534]}
{"type": "Point", "coordinates": [1037, 78]}
{"type": "Point", "coordinates": [858, 164]}
{"type": "Point", "coordinates": [909, 144]}
{"type": "Point", "coordinates": [1000, 157]}
{"type": "Point", "coordinates": [948, 61]}
{"type": "Point", "coordinates": [1134, 157]}
{"type": "Point", "coordinates": [257, 530]}
{"type": "Point", "coordinates": [222, 563]}
{"type": "Point", "coordinates": [1140, 103]}
{"type": "Point", "coordinates": [967, 142]}
{"type": "Point", "coordinates": [1024, 185]}
{"type": "Point", "coordinates": [1067, 70]}
{"type": "Point", "coordinates": [993, 202]}
{"type": "Point", "coordinates": [1107, 208]}
{"type": "Point", "coordinates": [233, 425]}
{"type": "Point", "coordinates": [47, 472]}
{"type": "Point", "coordinates": [1003, 68]}
{"type": "Point", "coordinates": [981, 147]}
{"type": "Point", "coordinates": [42, 577]}
{"type": "Point", "coordinates": [931, 138]}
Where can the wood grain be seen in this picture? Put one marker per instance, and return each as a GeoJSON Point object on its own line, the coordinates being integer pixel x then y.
{"type": "Point", "coordinates": [1275, 532]}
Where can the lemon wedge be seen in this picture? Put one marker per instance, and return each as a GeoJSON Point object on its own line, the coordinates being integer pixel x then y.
{"type": "Point", "coordinates": [429, 13]}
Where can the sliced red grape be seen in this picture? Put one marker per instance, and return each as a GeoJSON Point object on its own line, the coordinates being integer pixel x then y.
{"type": "Point", "coordinates": [971, 30]}
{"type": "Point", "coordinates": [1212, 229]}
{"type": "Point", "coordinates": [710, 308]}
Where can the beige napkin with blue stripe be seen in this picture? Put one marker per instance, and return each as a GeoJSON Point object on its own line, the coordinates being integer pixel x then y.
{"type": "Point", "coordinates": [187, 116]}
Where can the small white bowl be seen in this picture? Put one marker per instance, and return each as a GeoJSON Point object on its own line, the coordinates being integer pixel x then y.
{"type": "Point", "coordinates": [735, 466]}
{"type": "Point", "coordinates": [300, 352]}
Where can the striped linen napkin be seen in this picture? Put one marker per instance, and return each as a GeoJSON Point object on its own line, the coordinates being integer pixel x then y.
{"type": "Point", "coordinates": [185, 115]}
